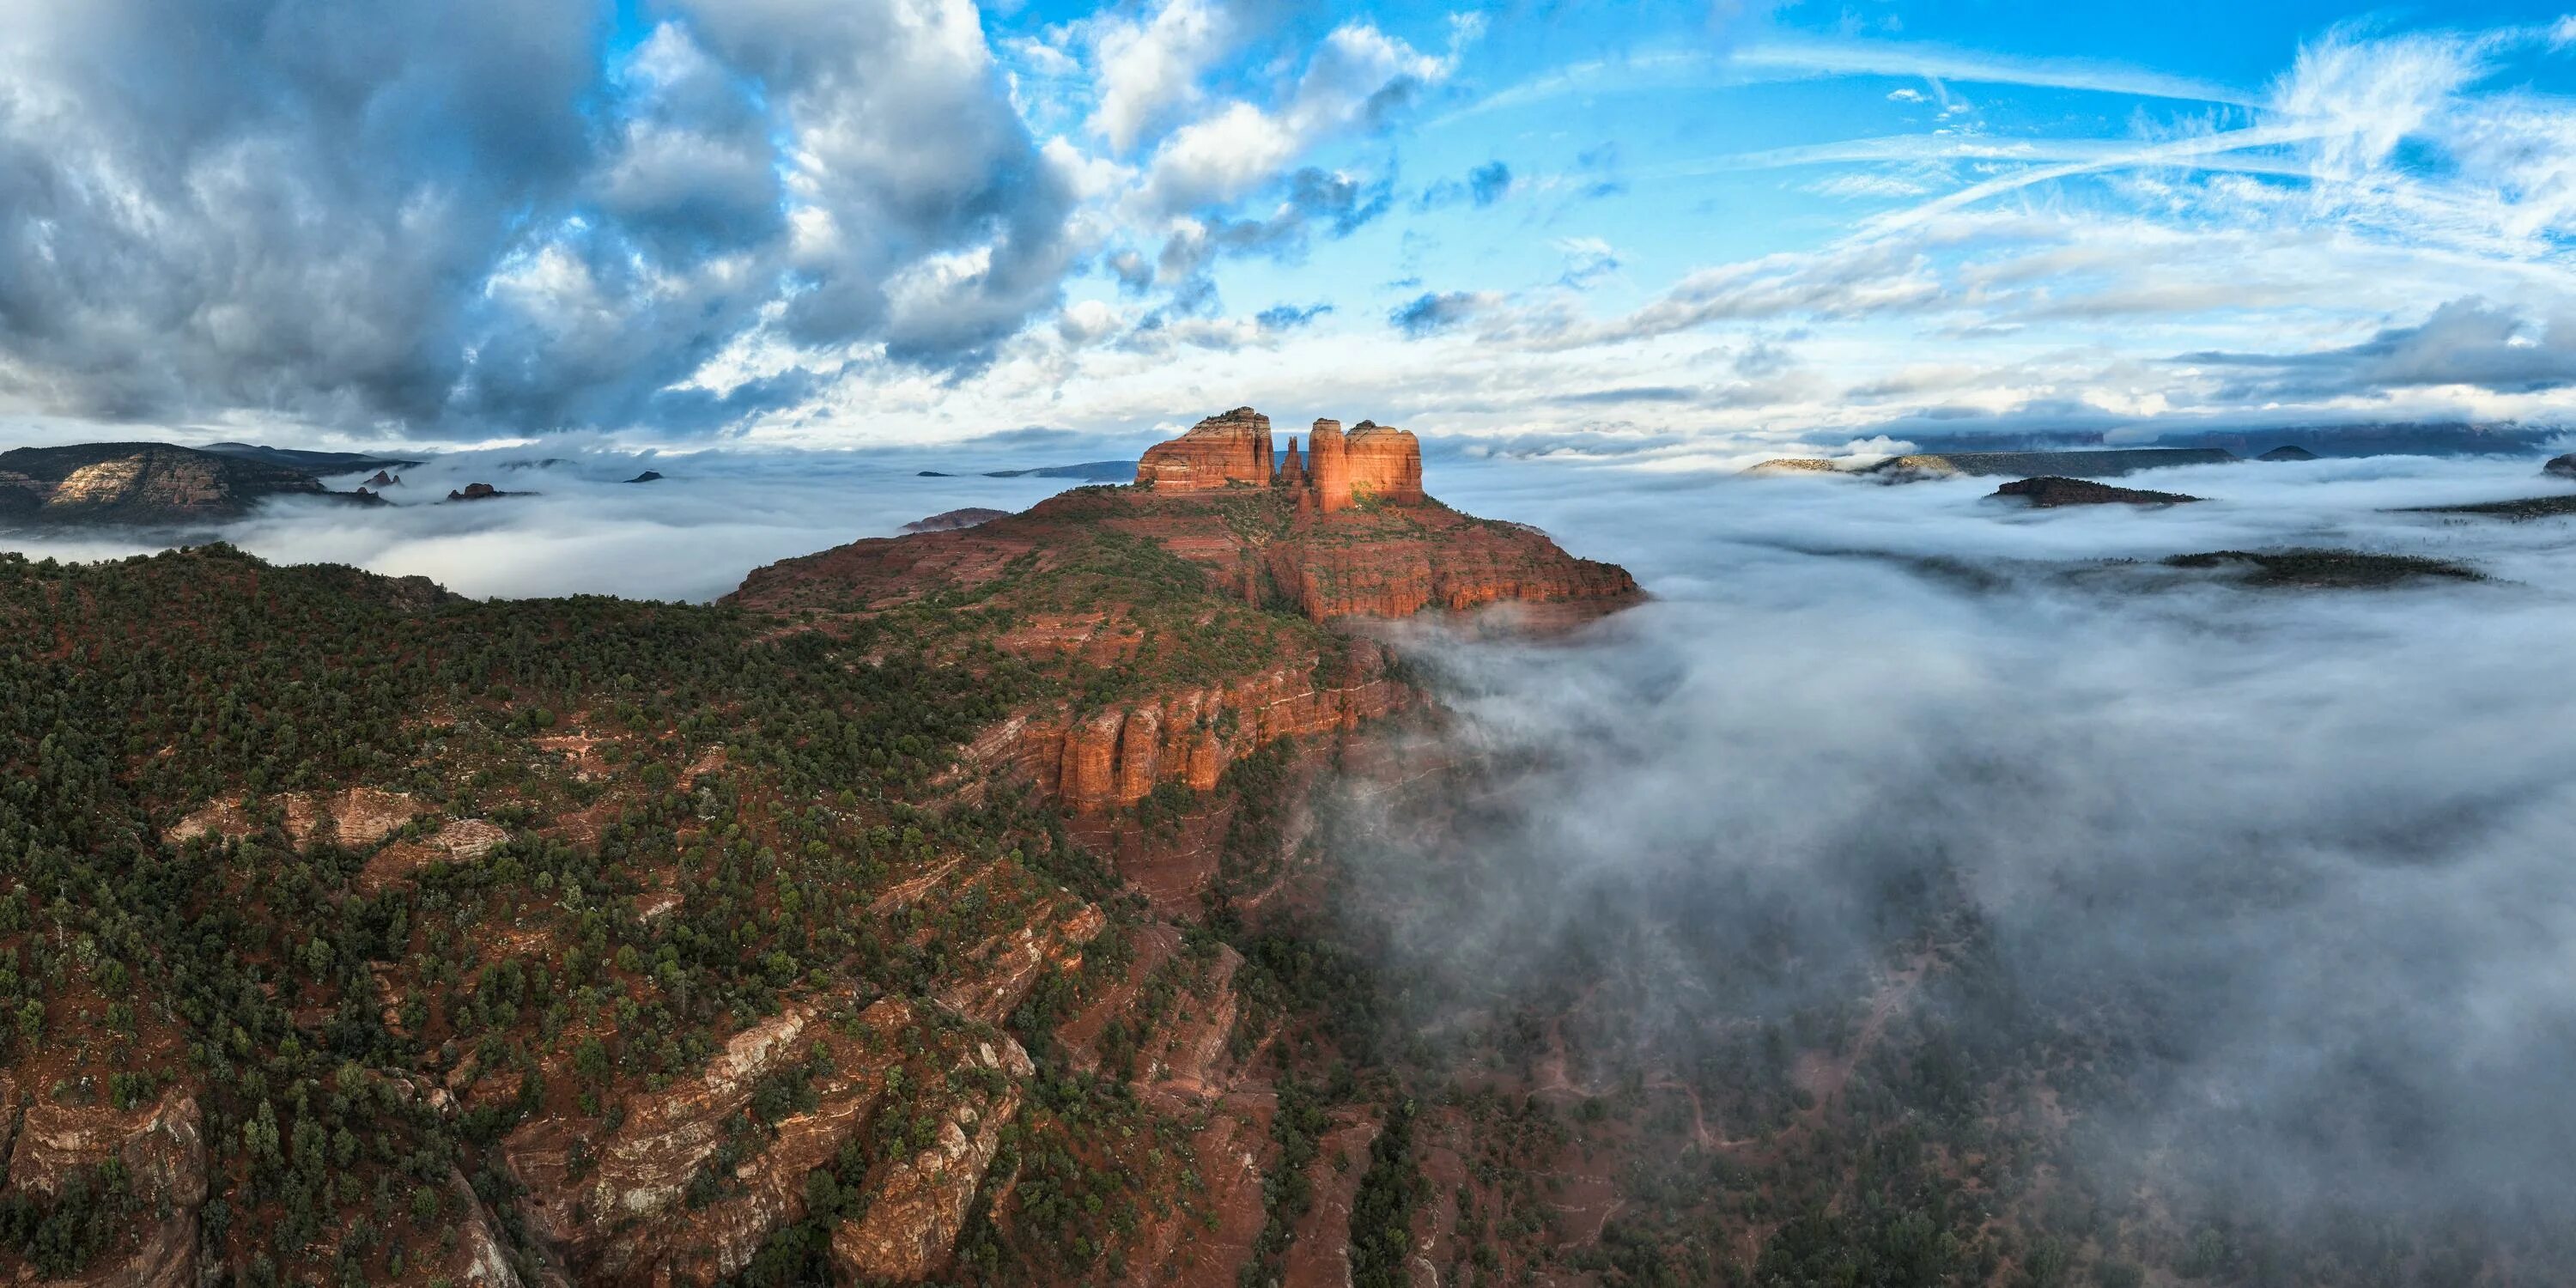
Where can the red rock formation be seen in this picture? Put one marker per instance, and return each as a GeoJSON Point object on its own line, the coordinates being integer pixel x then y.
{"type": "Point", "coordinates": [1292, 469]}
{"type": "Point", "coordinates": [1217, 452]}
{"type": "Point", "coordinates": [1435, 559]}
{"type": "Point", "coordinates": [1116, 757]}
{"type": "Point", "coordinates": [1385, 463]}
{"type": "Point", "coordinates": [917, 1206]}
{"type": "Point", "coordinates": [951, 520]}
{"type": "Point", "coordinates": [1329, 463]}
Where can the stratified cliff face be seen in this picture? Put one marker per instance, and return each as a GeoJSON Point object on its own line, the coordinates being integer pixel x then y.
{"type": "Point", "coordinates": [1391, 563]}
{"type": "Point", "coordinates": [1217, 452]}
{"type": "Point", "coordinates": [1117, 755]}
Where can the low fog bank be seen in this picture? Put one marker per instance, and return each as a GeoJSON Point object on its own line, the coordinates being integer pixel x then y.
{"type": "Point", "coordinates": [2299, 865]}
{"type": "Point", "coordinates": [691, 535]}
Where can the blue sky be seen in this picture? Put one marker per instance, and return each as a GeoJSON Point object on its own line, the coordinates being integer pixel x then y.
{"type": "Point", "coordinates": [1677, 228]}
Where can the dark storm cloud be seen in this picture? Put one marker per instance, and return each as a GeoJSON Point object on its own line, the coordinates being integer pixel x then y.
{"type": "Point", "coordinates": [2464, 342]}
{"type": "Point", "coordinates": [461, 215]}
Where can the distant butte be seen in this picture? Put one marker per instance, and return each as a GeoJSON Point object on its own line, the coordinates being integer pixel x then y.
{"type": "Point", "coordinates": [2048, 493]}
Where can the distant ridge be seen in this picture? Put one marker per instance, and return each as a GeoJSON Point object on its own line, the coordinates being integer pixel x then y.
{"type": "Point", "coordinates": [2098, 464]}
{"type": "Point", "coordinates": [296, 458]}
{"type": "Point", "coordinates": [1094, 471]}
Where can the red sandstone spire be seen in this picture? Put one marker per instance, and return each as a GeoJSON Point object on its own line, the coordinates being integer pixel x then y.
{"type": "Point", "coordinates": [1329, 467]}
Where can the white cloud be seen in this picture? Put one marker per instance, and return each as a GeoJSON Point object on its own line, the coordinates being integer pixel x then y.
{"type": "Point", "coordinates": [1148, 69]}
{"type": "Point", "coordinates": [1357, 73]}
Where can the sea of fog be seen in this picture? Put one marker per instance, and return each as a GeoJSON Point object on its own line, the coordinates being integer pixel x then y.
{"type": "Point", "coordinates": [2328, 837]}
{"type": "Point", "coordinates": [2321, 845]}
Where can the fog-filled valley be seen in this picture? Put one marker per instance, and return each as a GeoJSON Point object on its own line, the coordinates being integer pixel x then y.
{"type": "Point", "coordinates": [1916, 887]}
{"type": "Point", "coordinates": [2208, 927]}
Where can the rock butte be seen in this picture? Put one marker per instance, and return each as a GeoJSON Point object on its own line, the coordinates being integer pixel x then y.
{"type": "Point", "coordinates": [1335, 472]}
{"type": "Point", "coordinates": [1341, 531]}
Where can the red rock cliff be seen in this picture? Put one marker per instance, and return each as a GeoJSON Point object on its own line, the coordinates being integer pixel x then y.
{"type": "Point", "coordinates": [1328, 462]}
{"type": "Point", "coordinates": [1217, 452]}
{"type": "Point", "coordinates": [1385, 463]}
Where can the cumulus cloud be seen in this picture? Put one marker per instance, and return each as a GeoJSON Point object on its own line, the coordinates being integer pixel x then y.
{"type": "Point", "coordinates": [451, 216]}
{"type": "Point", "coordinates": [1149, 66]}
{"type": "Point", "coordinates": [1357, 78]}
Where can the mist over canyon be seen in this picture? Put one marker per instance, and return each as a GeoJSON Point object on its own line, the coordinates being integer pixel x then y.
{"type": "Point", "coordinates": [1908, 861]}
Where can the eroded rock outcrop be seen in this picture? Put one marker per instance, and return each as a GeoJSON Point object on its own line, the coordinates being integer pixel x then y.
{"type": "Point", "coordinates": [1220, 451]}
{"type": "Point", "coordinates": [951, 520]}
{"type": "Point", "coordinates": [613, 1208]}
{"type": "Point", "coordinates": [917, 1205]}
{"type": "Point", "coordinates": [2562, 466]}
{"type": "Point", "coordinates": [163, 1151]}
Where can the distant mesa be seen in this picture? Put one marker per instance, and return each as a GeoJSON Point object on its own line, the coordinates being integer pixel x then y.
{"type": "Point", "coordinates": [1089, 471]}
{"type": "Point", "coordinates": [2050, 492]}
{"type": "Point", "coordinates": [2288, 452]}
{"type": "Point", "coordinates": [482, 492]}
{"type": "Point", "coordinates": [542, 463]}
{"type": "Point", "coordinates": [1372, 463]}
{"type": "Point", "coordinates": [951, 520]}
{"type": "Point", "coordinates": [382, 479]}
{"type": "Point", "coordinates": [2562, 466]}
{"type": "Point", "coordinates": [2324, 569]}
{"type": "Point", "coordinates": [2109, 462]}
{"type": "Point", "coordinates": [2106, 463]}
{"type": "Point", "coordinates": [2520, 509]}
{"type": "Point", "coordinates": [143, 485]}
{"type": "Point", "coordinates": [648, 476]}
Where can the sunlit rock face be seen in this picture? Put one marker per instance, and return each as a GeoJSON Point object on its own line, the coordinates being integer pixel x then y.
{"type": "Point", "coordinates": [1385, 464]}
{"type": "Point", "coordinates": [1218, 452]}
